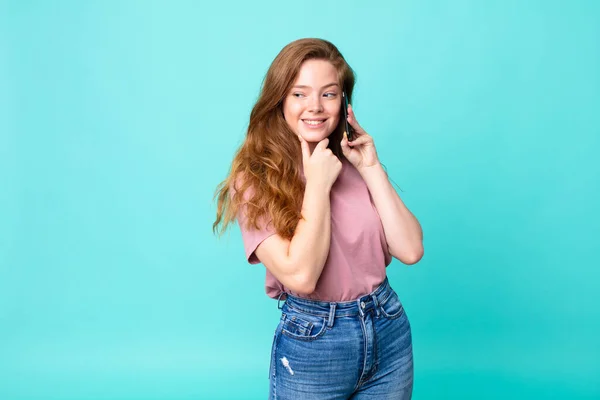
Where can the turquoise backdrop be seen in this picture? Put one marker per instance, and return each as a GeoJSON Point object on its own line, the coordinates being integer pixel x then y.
{"type": "Point", "coordinates": [119, 118]}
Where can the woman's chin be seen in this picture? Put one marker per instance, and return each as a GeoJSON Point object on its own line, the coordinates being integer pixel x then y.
{"type": "Point", "coordinates": [314, 137]}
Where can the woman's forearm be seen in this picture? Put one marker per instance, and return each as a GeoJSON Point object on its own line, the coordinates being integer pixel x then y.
{"type": "Point", "coordinates": [403, 232]}
{"type": "Point", "coordinates": [309, 246]}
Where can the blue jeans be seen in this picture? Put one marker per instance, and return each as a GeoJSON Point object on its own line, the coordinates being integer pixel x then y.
{"type": "Point", "coordinates": [360, 349]}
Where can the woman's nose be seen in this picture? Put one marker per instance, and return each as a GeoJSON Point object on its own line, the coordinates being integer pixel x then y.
{"type": "Point", "coordinates": [315, 104]}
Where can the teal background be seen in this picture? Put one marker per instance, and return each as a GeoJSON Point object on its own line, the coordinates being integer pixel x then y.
{"type": "Point", "coordinates": [119, 118]}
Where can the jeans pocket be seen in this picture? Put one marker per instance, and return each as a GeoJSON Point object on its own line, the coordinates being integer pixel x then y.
{"type": "Point", "coordinates": [303, 326]}
{"type": "Point", "coordinates": [391, 307]}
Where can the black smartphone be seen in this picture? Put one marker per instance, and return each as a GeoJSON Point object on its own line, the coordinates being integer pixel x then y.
{"type": "Point", "coordinates": [345, 113]}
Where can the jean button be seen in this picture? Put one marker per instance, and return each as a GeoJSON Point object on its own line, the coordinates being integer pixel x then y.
{"type": "Point", "coordinates": [362, 304]}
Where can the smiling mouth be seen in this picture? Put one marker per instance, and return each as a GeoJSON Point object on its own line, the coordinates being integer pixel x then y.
{"type": "Point", "coordinates": [314, 122]}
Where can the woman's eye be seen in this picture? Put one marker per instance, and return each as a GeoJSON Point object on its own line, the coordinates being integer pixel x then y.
{"type": "Point", "coordinates": [297, 94]}
{"type": "Point", "coordinates": [330, 94]}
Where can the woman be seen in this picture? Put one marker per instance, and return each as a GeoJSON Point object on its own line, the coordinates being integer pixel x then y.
{"type": "Point", "coordinates": [320, 213]}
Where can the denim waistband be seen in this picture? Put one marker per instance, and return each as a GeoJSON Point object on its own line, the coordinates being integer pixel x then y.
{"type": "Point", "coordinates": [360, 306]}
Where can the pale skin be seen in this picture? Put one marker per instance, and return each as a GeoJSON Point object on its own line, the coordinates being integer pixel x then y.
{"type": "Point", "coordinates": [298, 263]}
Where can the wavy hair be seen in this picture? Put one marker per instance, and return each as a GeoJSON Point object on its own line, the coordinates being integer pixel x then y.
{"type": "Point", "coordinates": [265, 173]}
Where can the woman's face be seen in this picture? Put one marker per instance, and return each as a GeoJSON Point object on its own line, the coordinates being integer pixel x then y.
{"type": "Point", "coordinates": [312, 107]}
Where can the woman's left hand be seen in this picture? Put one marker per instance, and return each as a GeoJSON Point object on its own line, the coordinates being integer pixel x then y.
{"type": "Point", "coordinates": [360, 151]}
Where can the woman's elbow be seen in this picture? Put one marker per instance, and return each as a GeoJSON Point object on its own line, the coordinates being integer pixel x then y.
{"type": "Point", "coordinates": [302, 284]}
{"type": "Point", "coordinates": [303, 288]}
{"type": "Point", "coordinates": [409, 257]}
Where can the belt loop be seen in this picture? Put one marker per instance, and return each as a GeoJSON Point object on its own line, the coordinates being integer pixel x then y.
{"type": "Point", "coordinates": [376, 303]}
{"type": "Point", "coordinates": [279, 299]}
{"type": "Point", "coordinates": [331, 314]}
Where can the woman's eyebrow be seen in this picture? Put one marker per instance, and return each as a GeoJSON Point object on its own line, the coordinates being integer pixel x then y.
{"type": "Point", "coordinates": [308, 87]}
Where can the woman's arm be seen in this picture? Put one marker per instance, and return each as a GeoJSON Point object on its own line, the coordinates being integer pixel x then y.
{"type": "Point", "coordinates": [403, 232]}
{"type": "Point", "coordinates": [298, 263]}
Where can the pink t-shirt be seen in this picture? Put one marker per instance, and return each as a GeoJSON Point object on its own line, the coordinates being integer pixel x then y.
{"type": "Point", "coordinates": [358, 254]}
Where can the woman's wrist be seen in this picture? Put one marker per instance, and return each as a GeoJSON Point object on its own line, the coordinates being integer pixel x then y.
{"type": "Point", "coordinates": [366, 171]}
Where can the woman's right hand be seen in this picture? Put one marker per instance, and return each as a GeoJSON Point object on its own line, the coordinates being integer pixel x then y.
{"type": "Point", "coordinates": [322, 167]}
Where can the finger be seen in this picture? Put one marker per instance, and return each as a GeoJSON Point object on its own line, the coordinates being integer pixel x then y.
{"type": "Point", "coordinates": [350, 110]}
{"type": "Point", "coordinates": [346, 149]}
{"type": "Point", "coordinates": [305, 150]}
{"type": "Point", "coordinates": [323, 144]}
{"type": "Point", "coordinates": [361, 140]}
{"type": "Point", "coordinates": [353, 122]}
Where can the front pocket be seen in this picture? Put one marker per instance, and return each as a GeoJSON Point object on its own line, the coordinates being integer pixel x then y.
{"type": "Point", "coordinates": [303, 326]}
{"type": "Point", "coordinates": [392, 307]}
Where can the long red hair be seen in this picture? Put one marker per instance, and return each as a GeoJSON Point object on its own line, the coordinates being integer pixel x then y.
{"type": "Point", "coordinates": [268, 161]}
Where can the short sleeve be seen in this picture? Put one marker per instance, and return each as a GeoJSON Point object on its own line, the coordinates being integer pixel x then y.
{"type": "Point", "coordinates": [251, 237]}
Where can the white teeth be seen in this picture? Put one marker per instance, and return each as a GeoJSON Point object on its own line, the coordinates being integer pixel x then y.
{"type": "Point", "coordinates": [314, 122]}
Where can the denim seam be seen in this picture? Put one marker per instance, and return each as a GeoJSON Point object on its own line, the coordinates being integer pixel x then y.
{"type": "Point", "coordinates": [306, 338]}
{"type": "Point", "coordinates": [393, 316]}
{"type": "Point", "coordinates": [274, 360]}
{"type": "Point", "coordinates": [304, 330]}
{"type": "Point", "coordinates": [325, 314]}
{"type": "Point", "coordinates": [307, 311]}
{"type": "Point", "coordinates": [362, 372]}
{"type": "Point", "coordinates": [385, 300]}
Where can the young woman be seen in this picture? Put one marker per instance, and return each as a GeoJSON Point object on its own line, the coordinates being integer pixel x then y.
{"type": "Point", "coordinates": [319, 212]}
